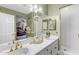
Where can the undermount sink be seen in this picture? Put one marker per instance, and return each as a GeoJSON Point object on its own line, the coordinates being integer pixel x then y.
{"type": "Point", "coordinates": [19, 51]}
{"type": "Point", "coordinates": [36, 40]}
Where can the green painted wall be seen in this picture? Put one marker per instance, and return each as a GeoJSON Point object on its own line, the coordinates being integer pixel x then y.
{"type": "Point", "coordinates": [44, 8]}
{"type": "Point", "coordinates": [12, 12]}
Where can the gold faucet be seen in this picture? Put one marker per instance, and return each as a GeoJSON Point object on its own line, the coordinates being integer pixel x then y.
{"type": "Point", "coordinates": [17, 45]}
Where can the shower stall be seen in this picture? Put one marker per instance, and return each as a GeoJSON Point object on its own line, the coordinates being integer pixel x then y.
{"type": "Point", "coordinates": [69, 29]}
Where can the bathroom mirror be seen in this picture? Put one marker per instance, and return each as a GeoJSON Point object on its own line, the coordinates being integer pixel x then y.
{"type": "Point", "coordinates": [45, 24]}
{"type": "Point", "coordinates": [49, 24]}
{"type": "Point", "coordinates": [21, 24]}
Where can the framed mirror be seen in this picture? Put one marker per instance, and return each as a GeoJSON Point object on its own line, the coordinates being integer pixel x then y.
{"type": "Point", "coordinates": [45, 24]}
{"type": "Point", "coordinates": [51, 24]}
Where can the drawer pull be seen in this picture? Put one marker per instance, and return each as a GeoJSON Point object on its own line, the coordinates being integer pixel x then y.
{"type": "Point", "coordinates": [47, 49]}
{"type": "Point", "coordinates": [55, 47]}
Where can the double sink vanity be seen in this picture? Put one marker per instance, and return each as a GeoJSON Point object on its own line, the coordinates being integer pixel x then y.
{"type": "Point", "coordinates": [43, 46]}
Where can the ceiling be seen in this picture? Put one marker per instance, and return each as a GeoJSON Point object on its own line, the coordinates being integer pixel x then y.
{"type": "Point", "coordinates": [23, 8]}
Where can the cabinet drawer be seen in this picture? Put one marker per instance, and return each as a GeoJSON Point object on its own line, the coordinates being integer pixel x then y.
{"type": "Point", "coordinates": [55, 48]}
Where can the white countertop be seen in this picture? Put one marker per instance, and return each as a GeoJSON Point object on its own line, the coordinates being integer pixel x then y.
{"type": "Point", "coordinates": [36, 48]}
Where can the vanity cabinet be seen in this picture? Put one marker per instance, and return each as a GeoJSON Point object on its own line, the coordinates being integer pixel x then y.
{"type": "Point", "coordinates": [47, 47]}
{"type": "Point", "coordinates": [52, 49]}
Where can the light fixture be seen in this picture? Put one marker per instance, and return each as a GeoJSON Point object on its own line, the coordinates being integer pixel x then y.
{"type": "Point", "coordinates": [35, 9]}
{"type": "Point", "coordinates": [40, 9]}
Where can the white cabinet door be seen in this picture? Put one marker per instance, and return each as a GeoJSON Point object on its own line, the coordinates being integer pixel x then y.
{"type": "Point", "coordinates": [7, 28]}
{"type": "Point", "coordinates": [53, 48]}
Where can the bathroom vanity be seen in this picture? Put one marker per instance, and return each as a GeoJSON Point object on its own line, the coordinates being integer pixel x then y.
{"type": "Point", "coordinates": [49, 46]}
{"type": "Point", "coordinates": [51, 49]}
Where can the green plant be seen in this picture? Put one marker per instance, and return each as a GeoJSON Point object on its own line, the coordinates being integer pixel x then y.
{"type": "Point", "coordinates": [48, 33]}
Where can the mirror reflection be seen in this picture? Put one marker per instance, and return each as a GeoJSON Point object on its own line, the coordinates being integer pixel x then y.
{"type": "Point", "coordinates": [21, 25]}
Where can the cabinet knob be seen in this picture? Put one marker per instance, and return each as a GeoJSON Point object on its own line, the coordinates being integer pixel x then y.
{"type": "Point", "coordinates": [55, 47]}
{"type": "Point", "coordinates": [47, 49]}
